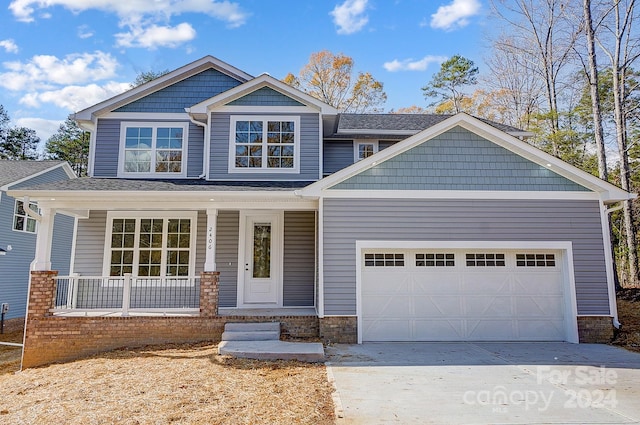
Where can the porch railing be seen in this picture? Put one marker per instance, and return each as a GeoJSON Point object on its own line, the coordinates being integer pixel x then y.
{"type": "Point", "coordinates": [127, 294]}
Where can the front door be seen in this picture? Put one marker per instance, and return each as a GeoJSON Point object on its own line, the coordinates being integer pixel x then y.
{"type": "Point", "coordinates": [262, 259]}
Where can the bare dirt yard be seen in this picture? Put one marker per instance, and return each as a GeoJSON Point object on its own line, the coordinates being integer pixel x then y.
{"type": "Point", "coordinates": [181, 384]}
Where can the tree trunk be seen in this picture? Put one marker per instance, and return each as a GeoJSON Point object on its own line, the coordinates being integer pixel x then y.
{"type": "Point", "coordinates": [595, 94]}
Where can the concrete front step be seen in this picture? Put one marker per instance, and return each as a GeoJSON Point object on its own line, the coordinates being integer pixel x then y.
{"type": "Point", "coordinates": [251, 335]}
{"type": "Point", "coordinates": [273, 350]}
{"type": "Point", "coordinates": [252, 326]}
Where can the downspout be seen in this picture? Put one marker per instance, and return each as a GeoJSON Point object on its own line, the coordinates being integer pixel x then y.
{"type": "Point", "coordinates": [205, 150]}
{"type": "Point", "coordinates": [31, 213]}
{"type": "Point", "coordinates": [608, 211]}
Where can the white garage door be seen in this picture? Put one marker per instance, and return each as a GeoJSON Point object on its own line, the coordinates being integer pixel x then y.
{"type": "Point", "coordinates": [462, 295]}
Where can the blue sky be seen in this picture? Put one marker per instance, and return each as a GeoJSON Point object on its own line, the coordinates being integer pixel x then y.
{"type": "Point", "coordinates": [59, 56]}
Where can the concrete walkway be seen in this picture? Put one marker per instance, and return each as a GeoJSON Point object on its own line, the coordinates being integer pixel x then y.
{"type": "Point", "coordinates": [485, 383]}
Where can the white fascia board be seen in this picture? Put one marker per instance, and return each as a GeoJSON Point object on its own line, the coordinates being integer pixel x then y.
{"type": "Point", "coordinates": [64, 165]}
{"type": "Point", "coordinates": [166, 80]}
{"type": "Point", "coordinates": [263, 80]}
{"type": "Point", "coordinates": [607, 191]}
{"type": "Point", "coordinates": [458, 194]}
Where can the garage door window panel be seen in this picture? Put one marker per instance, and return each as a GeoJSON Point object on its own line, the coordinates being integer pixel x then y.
{"type": "Point", "coordinates": [384, 260]}
{"type": "Point", "coordinates": [435, 260]}
{"type": "Point", "coordinates": [485, 260]}
{"type": "Point", "coordinates": [535, 260]}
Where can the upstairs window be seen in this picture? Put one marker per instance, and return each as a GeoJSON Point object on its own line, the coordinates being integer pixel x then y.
{"type": "Point", "coordinates": [264, 143]}
{"type": "Point", "coordinates": [362, 150]}
{"type": "Point", "coordinates": [21, 221]}
{"type": "Point", "coordinates": [153, 149]}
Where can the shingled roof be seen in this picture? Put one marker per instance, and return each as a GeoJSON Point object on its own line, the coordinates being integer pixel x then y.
{"type": "Point", "coordinates": [393, 126]}
{"type": "Point", "coordinates": [176, 185]}
{"type": "Point", "coordinates": [12, 171]}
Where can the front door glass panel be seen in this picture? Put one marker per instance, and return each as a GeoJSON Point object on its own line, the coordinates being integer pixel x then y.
{"type": "Point", "coordinates": [262, 250]}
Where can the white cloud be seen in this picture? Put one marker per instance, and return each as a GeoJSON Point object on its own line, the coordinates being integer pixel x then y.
{"type": "Point", "coordinates": [85, 32]}
{"type": "Point", "coordinates": [223, 10]}
{"type": "Point", "coordinates": [411, 65]}
{"type": "Point", "coordinates": [349, 16]}
{"type": "Point", "coordinates": [9, 46]}
{"type": "Point", "coordinates": [44, 71]}
{"type": "Point", "coordinates": [156, 36]}
{"type": "Point", "coordinates": [44, 128]}
{"type": "Point", "coordinates": [455, 14]}
{"type": "Point", "coordinates": [75, 98]}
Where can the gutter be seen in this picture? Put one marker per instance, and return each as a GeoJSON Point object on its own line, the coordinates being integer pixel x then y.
{"type": "Point", "coordinates": [31, 213]}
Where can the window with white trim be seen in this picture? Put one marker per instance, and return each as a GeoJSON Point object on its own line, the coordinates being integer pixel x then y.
{"type": "Point", "coordinates": [153, 148]}
{"type": "Point", "coordinates": [151, 246]}
{"type": "Point", "coordinates": [260, 143]}
{"type": "Point", "coordinates": [364, 149]}
{"type": "Point", "coordinates": [21, 221]}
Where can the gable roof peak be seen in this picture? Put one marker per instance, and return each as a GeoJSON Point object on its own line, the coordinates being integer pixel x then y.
{"type": "Point", "coordinates": [179, 74]}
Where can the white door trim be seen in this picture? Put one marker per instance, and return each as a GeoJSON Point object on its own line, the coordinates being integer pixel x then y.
{"type": "Point", "coordinates": [566, 247]}
{"type": "Point", "coordinates": [277, 218]}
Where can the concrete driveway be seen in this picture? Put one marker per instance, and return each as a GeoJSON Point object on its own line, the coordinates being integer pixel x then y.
{"type": "Point", "coordinates": [485, 383]}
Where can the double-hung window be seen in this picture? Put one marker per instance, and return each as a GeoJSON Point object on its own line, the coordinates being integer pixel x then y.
{"type": "Point", "coordinates": [153, 149]}
{"type": "Point", "coordinates": [21, 220]}
{"type": "Point", "coordinates": [259, 144]}
{"type": "Point", "coordinates": [364, 149]}
{"type": "Point", "coordinates": [150, 245]}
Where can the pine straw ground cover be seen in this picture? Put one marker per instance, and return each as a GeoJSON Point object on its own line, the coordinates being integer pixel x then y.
{"type": "Point", "coordinates": [628, 336]}
{"type": "Point", "coordinates": [181, 384]}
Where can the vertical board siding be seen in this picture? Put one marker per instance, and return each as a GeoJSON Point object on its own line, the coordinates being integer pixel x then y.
{"type": "Point", "coordinates": [309, 150]}
{"type": "Point", "coordinates": [90, 244]}
{"type": "Point", "coordinates": [459, 160]}
{"type": "Point", "coordinates": [265, 96]}
{"type": "Point", "coordinates": [108, 147]}
{"type": "Point", "coordinates": [338, 154]}
{"type": "Point", "coordinates": [183, 94]}
{"type": "Point", "coordinates": [299, 258]}
{"type": "Point", "coordinates": [227, 256]}
{"type": "Point", "coordinates": [348, 220]}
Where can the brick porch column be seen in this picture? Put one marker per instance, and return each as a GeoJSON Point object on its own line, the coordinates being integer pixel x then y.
{"type": "Point", "coordinates": [209, 294]}
{"type": "Point", "coordinates": [42, 289]}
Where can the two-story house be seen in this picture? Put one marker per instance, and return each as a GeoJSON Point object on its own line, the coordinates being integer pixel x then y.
{"type": "Point", "coordinates": [216, 196]}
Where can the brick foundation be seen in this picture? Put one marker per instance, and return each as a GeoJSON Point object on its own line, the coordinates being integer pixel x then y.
{"type": "Point", "coordinates": [339, 329]}
{"type": "Point", "coordinates": [595, 329]}
{"type": "Point", "coordinates": [51, 339]}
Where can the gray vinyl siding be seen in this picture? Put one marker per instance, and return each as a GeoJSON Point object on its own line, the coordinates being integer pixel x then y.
{"type": "Point", "coordinates": [309, 150]}
{"type": "Point", "coordinates": [183, 94]}
{"type": "Point", "coordinates": [14, 265]}
{"type": "Point", "coordinates": [55, 175]}
{"type": "Point", "coordinates": [338, 154]}
{"type": "Point", "coordinates": [265, 97]}
{"type": "Point", "coordinates": [108, 147]}
{"type": "Point", "coordinates": [62, 242]}
{"type": "Point", "coordinates": [89, 251]}
{"type": "Point", "coordinates": [348, 220]}
{"type": "Point", "coordinates": [459, 160]}
{"type": "Point", "coordinates": [105, 161]}
{"type": "Point", "coordinates": [299, 258]}
{"type": "Point", "coordinates": [227, 257]}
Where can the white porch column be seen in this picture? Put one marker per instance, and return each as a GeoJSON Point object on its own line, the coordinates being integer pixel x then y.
{"type": "Point", "coordinates": [44, 240]}
{"type": "Point", "coordinates": [210, 254]}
